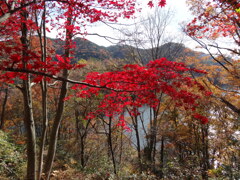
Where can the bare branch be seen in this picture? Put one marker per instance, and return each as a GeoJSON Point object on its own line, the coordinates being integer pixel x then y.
{"type": "Point", "coordinates": [236, 92]}
{"type": "Point", "coordinates": [234, 51]}
{"type": "Point", "coordinates": [230, 105]}
{"type": "Point", "coordinates": [108, 38]}
{"type": "Point", "coordinates": [209, 52]}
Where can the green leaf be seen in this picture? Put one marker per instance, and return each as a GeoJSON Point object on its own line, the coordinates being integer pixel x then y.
{"type": "Point", "coordinates": [237, 10]}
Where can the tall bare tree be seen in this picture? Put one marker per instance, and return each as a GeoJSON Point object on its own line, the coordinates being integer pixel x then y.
{"type": "Point", "coordinates": [150, 39]}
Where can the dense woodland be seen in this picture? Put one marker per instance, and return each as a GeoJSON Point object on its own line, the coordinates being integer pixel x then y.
{"type": "Point", "coordinates": [145, 108]}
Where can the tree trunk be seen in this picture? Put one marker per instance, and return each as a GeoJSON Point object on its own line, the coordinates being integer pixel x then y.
{"type": "Point", "coordinates": [2, 122]}
{"type": "Point", "coordinates": [205, 153]}
{"type": "Point", "coordinates": [121, 147]}
{"type": "Point", "coordinates": [55, 129]}
{"type": "Point", "coordinates": [44, 132]}
{"type": "Point", "coordinates": [81, 135]}
{"type": "Point", "coordinates": [43, 43]}
{"type": "Point", "coordinates": [28, 111]}
{"type": "Point", "coordinates": [153, 136]}
{"type": "Point", "coordinates": [30, 130]}
{"type": "Point", "coordinates": [111, 145]}
{"type": "Point", "coordinates": [60, 107]}
{"type": "Point", "coordinates": [135, 124]}
{"type": "Point", "coordinates": [162, 158]}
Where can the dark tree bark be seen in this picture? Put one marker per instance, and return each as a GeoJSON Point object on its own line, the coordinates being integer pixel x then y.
{"type": "Point", "coordinates": [135, 124]}
{"type": "Point", "coordinates": [162, 158]}
{"type": "Point", "coordinates": [43, 44]}
{"type": "Point", "coordinates": [2, 120]}
{"type": "Point", "coordinates": [28, 109]}
{"type": "Point", "coordinates": [111, 145]}
{"type": "Point", "coordinates": [82, 132]}
{"type": "Point", "coordinates": [205, 154]}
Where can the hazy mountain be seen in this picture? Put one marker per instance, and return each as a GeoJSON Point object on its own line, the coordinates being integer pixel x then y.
{"type": "Point", "coordinates": [86, 49]}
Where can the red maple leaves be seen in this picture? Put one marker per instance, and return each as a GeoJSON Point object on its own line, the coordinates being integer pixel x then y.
{"type": "Point", "coordinates": [203, 119]}
{"type": "Point", "coordinates": [161, 3]}
{"type": "Point", "coordinates": [132, 87]}
{"type": "Point", "coordinates": [218, 18]}
{"type": "Point", "coordinates": [136, 86]}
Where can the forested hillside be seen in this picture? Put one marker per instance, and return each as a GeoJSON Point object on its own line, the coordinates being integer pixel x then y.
{"type": "Point", "coordinates": [87, 50]}
{"type": "Point", "coordinates": [146, 108]}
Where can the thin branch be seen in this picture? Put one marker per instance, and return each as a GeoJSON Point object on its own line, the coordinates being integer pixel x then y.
{"type": "Point", "coordinates": [62, 79]}
{"type": "Point", "coordinates": [108, 38]}
{"type": "Point", "coordinates": [220, 87]}
{"type": "Point", "coordinates": [230, 105]}
{"type": "Point", "coordinates": [206, 48]}
{"type": "Point", "coordinates": [234, 51]}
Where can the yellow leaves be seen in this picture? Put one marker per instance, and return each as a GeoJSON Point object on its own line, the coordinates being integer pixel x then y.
{"type": "Point", "coordinates": [237, 10]}
{"type": "Point", "coordinates": [82, 61]}
{"type": "Point", "coordinates": [73, 161]}
{"type": "Point", "coordinates": [209, 9]}
{"type": "Point", "coordinates": [214, 172]}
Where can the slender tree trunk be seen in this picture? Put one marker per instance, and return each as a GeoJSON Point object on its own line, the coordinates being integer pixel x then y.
{"type": "Point", "coordinates": [121, 147]}
{"type": "Point", "coordinates": [2, 123]}
{"type": "Point", "coordinates": [150, 138]}
{"type": "Point", "coordinates": [60, 107]}
{"type": "Point", "coordinates": [30, 130]}
{"type": "Point", "coordinates": [44, 132]}
{"type": "Point", "coordinates": [152, 141]}
{"type": "Point", "coordinates": [153, 134]}
{"type": "Point", "coordinates": [162, 158]}
{"type": "Point", "coordinates": [28, 111]}
{"type": "Point", "coordinates": [135, 123]}
{"type": "Point", "coordinates": [82, 138]}
{"type": "Point", "coordinates": [82, 152]}
{"type": "Point", "coordinates": [111, 145]}
{"type": "Point", "coordinates": [205, 153]}
{"type": "Point", "coordinates": [43, 43]}
{"type": "Point", "coordinates": [55, 129]}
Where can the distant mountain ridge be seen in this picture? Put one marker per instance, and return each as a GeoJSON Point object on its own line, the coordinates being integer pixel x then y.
{"type": "Point", "coordinates": [86, 49]}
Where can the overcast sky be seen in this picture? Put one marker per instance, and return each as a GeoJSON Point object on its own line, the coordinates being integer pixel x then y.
{"type": "Point", "coordinates": [181, 14]}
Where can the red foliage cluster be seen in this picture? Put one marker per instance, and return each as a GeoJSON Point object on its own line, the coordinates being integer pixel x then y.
{"type": "Point", "coordinates": [203, 119]}
{"type": "Point", "coordinates": [32, 63]}
{"type": "Point", "coordinates": [215, 19]}
{"type": "Point", "coordinates": [137, 86]}
{"type": "Point", "coordinates": [132, 87]}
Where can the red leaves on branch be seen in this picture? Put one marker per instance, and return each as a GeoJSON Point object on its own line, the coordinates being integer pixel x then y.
{"type": "Point", "coordinates": [137, 86]}
{"type": "Point", "coordinates": [122, 123]}
{"type": "Point", "coordinates": [150, 4]}
{"type": "Point", "coordinates": [218, 18]}
{"type": "Point", "coordinates": [133, 87]}
{"type": "Point", "coordinates": [203, 119]}
{"type": "Point", "coordinates": [162, 3]}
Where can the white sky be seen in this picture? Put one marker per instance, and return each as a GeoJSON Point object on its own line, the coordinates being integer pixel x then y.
{"type": "Point", "coordinates": [182, 14]}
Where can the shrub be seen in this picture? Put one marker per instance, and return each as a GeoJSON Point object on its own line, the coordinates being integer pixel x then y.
{"type": "Point", "coordinates": [11, 160]}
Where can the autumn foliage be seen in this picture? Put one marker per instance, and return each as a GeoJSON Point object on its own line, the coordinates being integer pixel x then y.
{"type": "Point", "coordinates": [137, 86]}
{"type": "Point", "coordinates": [212, 17]}
{"type": "Point", "coordinates": [29, 63]}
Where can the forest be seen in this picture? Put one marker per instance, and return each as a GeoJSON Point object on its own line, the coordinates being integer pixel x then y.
{"type": "Point", "coordinates": [146, 108]}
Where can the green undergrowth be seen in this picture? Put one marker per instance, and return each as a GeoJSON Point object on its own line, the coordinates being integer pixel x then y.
{"type": "Point", "coordinates": [12, 164]}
